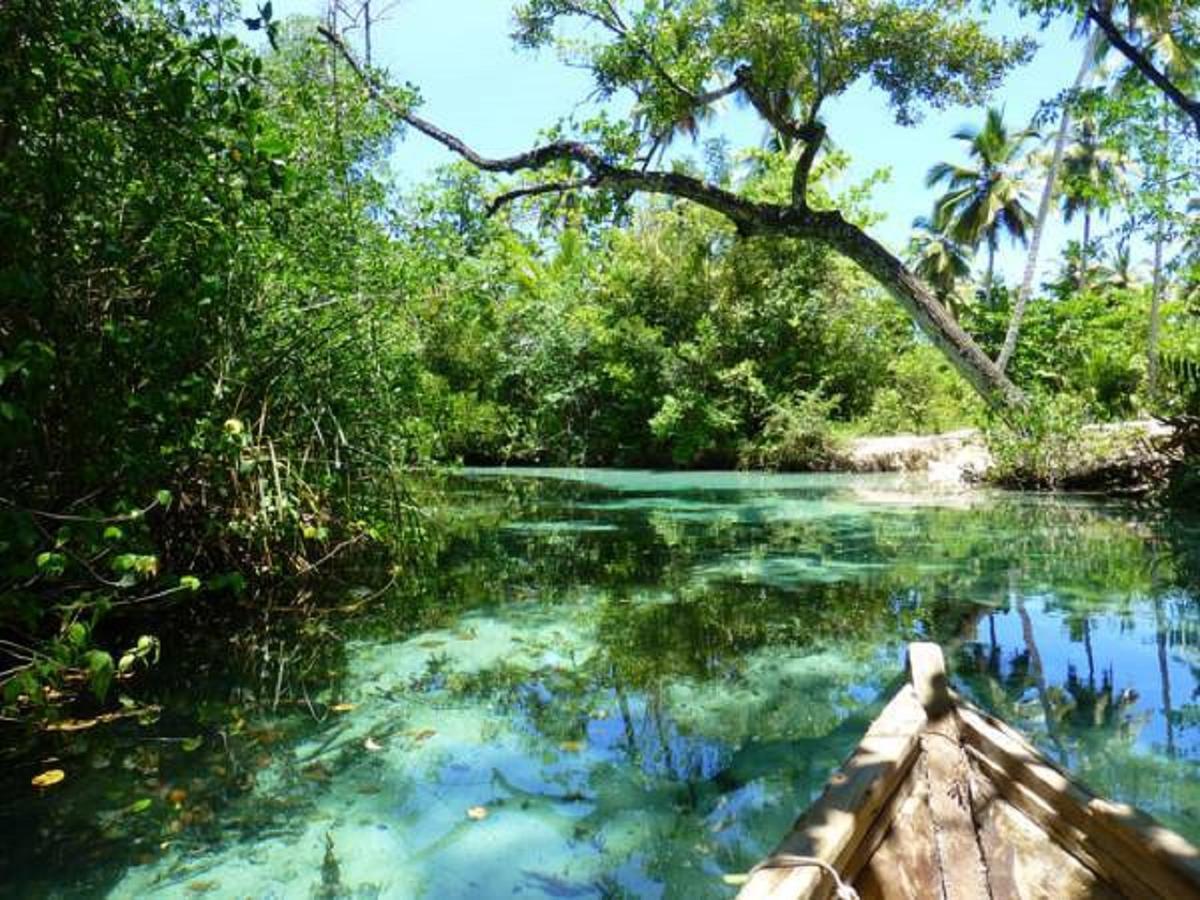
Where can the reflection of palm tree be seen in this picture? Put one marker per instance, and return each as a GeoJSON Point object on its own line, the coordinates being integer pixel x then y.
{"type": "Point", "coordinates": [1164, 675]}
{"type": "Point", "coordinates": [984, 200]}
{"type": "Point", "coordinates": [1037, 674]}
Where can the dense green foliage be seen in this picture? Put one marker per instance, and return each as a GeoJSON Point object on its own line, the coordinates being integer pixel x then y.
{"type": "Point", "coordinates": [225, 331]}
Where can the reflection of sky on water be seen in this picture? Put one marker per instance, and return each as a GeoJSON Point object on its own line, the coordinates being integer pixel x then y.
{"type": "Point", "coordinates": [1124, 647]}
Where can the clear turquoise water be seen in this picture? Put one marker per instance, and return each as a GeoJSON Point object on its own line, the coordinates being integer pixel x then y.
{"type": "Point", "coordinates": [626, 684]}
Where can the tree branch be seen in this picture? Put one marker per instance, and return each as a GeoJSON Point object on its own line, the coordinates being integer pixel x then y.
{"type": "Point", "coordinates": [613, 23]}
{"type": "Point", "coordinates": [813, 136]}
{"type": "Point", "coordinates": [762, 104]}
{"type": "Point", "coordinates": [1144, 65]}
{"type": "Point", "coordinates": [556, 187]}
{"type": "Point", "coordinates": [750, 217]}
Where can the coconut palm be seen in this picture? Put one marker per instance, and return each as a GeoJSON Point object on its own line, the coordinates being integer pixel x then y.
{"type": "Point", "coordinates": [939, 261]}
{"type": "Point", "coordinates": [985, 199]}
{"type": "Point", "coordinates": [1092, 175]}
{"type": "Point", "coordinates": [1120, 271]}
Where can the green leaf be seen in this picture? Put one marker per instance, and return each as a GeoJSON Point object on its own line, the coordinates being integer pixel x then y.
{"type": "Point", "coordinates": [113, 533]}
{"type": "Point", "coordinates": [138, 806]}
{"type": "Point", "coordinates": [190, 582]}
{"type": "Point", "coordinates": [51, 563]}
{"type": "Point", "coordinates": [77, 634]}
{"type": "Point", "coordinates": [189, 745]}
{"type": "Point", "coordinates": [100, 672]}
{"type": "Point", "coordinates": [163, 498]}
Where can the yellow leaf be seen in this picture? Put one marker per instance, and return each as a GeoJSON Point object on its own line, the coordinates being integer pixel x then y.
{"type": "Point", "coordinates": [571, 746]}
{"type": "Point", "coordinates": [73, 725]}
{"type": "Point", "coordinates": [478, 813]}
{"type": "Point", "coordinates": [49, 778]}
{"type": "Point", "coordinates": [342, 707]}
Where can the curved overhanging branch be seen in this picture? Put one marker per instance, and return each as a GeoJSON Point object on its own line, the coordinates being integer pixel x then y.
{"type": "Point", "coordinates": [1103, 19]}
{"type": "Point", "coordinates": [828, 227]}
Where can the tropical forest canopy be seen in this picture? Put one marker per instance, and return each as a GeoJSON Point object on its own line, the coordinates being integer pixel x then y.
{"type": "Point", "coordinates": [227, 333]}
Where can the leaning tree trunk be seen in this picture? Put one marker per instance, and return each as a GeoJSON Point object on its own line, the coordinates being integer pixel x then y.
{"type": "Point", "coordinates": [1035, 243]}
{"type": "Point", "coordinates": [919, 301]}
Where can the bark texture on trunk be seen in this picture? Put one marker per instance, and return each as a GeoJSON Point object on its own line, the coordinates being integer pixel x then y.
{"type": "Point", "coordinates": [919, 301]}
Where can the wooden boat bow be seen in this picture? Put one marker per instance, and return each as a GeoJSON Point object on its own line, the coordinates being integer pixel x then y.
{"type": "Point", "coordinates": [940, 800]}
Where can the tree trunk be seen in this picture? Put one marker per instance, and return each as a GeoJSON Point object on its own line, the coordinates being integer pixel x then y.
{"type": "Point", "coordinates": [1085, 253]}
{"type": "Point", "coordinates": [919, 301]}
{"type": "Point", "coordinates": [1156, 296]}
{"type": "Point", "coordinates": [367, 30]}
{"type": "Point", "coordinates": [1039, 227]}
{"type": "Point", "coordinates": [1158, 281]}
{"type": "Point", "coordinates": [991, 273]}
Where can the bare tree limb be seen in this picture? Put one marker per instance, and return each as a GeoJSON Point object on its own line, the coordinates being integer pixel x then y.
{"type": "Point", "coordinates": [1143, 64]}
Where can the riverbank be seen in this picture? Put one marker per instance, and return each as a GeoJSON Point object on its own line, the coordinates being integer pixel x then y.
{"type": "Point", "coordinates": [1121, 457]}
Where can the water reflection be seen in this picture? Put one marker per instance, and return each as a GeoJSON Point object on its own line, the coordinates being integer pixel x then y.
{"type": "Point", "coordinates": [613, 684]}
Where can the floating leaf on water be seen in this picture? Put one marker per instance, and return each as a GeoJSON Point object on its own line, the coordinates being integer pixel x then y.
{"type": "Point", "coordinates": [342, 707]}
{"type": "Point", "coordinates": [735, 880]}
{"type": "Point", "coordinates": [316, 772]}
{"type": "Point", "coordinates": [477, 813]}
{"type": "Point", "coordinates": [49, 778]}
{"type": "Point", "coordinates": [191, 744]}
{"type": "Point", "coordinates": [431, 645]}
{"type": "Point", "coordinates": [424, 734]}
{"type": "Point", "coordinates": [372, 744]}
{"type": "Point", "coordinates": [73, 725]}
{"type": "Point", "coordinates": [203, 887]}
{"type": "Point", "coordinates": [571, 746]}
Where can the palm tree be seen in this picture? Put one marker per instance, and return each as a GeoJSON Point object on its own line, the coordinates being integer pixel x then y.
{"type": "Point", "coordinates": [939, 261]}
{"type": "Point", "coordinates": [1091, 56]}
{"type": "Point", "coordinates": [1120, 271]}
{"type": "Point", "coordinates": [986, 198]}
{"type": "Point", "coordinates": [1091, 177]}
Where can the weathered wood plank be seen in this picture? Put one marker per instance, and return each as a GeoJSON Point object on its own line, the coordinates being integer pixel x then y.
{"type": "Point", "coordinates": [845, 812]}
{"type": "Point", "coordinates": [963, 872]}
{"type": "Point", "coordinates": [904, 865]}
{"type": "Point", "coordinates": [927, 670]}
{"type": "Point", "coordinates": [1162, 862]}
{"type": "Point", "coordinates": [1025, 860]}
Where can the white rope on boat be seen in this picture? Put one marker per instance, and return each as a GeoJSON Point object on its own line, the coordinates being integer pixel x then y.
{"type": "Point", "coordinates": [791, 861]}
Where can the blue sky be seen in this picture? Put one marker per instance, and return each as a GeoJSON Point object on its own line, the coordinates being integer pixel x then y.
{"type": "Point", "coordinates": [476, 84]}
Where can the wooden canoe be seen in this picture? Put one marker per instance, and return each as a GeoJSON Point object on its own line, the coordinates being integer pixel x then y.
{"type": "Point", "coordinates": [945, 802]}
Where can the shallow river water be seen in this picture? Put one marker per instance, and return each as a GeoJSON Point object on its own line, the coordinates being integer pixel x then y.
{"type": "Point", "coordinates": [624, 684]}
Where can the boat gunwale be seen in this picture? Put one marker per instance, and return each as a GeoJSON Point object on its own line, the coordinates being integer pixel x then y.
{"type": "Point", "coordinates": [1123, 847]}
